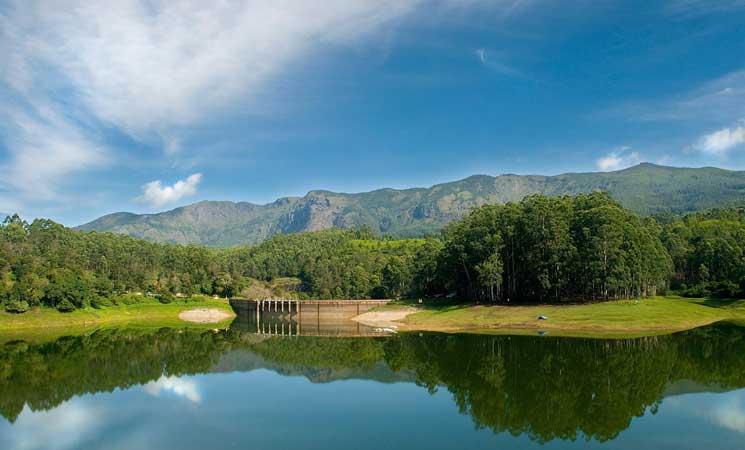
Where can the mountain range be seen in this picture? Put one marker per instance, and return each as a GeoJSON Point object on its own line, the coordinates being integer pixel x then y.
{"type": "Point", "coordinates": [646, 189]}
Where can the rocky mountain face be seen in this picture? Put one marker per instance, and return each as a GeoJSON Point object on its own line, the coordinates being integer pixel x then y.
{"type": "Point", "coordinates": [646, 189]}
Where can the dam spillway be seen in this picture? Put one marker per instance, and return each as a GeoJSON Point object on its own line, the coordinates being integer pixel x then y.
{"type": "Point", "coordinates": [290, 317]}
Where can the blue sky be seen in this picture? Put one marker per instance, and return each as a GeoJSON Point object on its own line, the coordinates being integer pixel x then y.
{"type": "Point", "coordinates": [147, 105]}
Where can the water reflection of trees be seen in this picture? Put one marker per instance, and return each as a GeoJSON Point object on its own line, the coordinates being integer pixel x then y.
{"type": "Point", "coordinates": [558, 388]}
{"type": "Point", "coordinates": [547, 388]}
{"type": "Point", "coordinates": [43, 376]}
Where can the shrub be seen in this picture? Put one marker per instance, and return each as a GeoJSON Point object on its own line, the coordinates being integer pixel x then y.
{"type": "Point", "coordinates": [134, 299]}
{"type": "Point", "coordinates": [100, 302]}
{"type": "Point", "coordinates": [65, 306]}
{"type": "Point", "coordinates": [17, 307]}
{"type": "Point", "coordinates": [166, 298]}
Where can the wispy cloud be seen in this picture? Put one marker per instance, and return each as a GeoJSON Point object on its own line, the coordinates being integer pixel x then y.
{"type": "Point", "coordinates": [45, 149]}
{"type": "Point", "coordinates": [716, 101]}
{"type": "Point", "coordinates": [149, 68]}
{"type": "Point", "coordinates": [489, 61]}
{"type": "Point", "coordinates": [619, 158]}
{"type": "Point", "coordinates": [157, 195]}
{"type": "Point", "coordinates": [153, 70]}
{"type": "Point", "coordinates": [688, 8]}
{"type": "Point", "coordinates": [721, 141]}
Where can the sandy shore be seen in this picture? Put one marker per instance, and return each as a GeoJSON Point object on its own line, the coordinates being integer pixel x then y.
{"type": "Point", "coordinates": [385, 319]}
{"type": "Point", "coordinates": [205, 315]}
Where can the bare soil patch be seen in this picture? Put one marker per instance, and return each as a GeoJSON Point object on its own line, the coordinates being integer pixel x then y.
{"type": "Point", "coordinates": [205, 315]}
{"type": "Point", "coordinates": [385, 318]}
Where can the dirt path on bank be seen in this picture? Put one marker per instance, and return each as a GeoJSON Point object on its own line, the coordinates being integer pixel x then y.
{"type": "Point", "coordinates": [205, 315]}
{"type": "Point", "coordinates": [385, 319]}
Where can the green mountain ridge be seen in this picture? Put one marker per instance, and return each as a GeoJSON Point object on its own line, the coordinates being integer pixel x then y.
{"type": "Point", "coordinates": [646, 189]}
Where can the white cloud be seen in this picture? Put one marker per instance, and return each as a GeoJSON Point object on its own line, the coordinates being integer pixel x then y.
{"type": "Point", "coordinates": [158, 195]}
{"type": "Point", "coordinates": [618, 159]}
{"type": "Point", "coordinates": [721, 141]}
{"type": "Point", "coordinates": [178, 386]}
{"type": "Point", "coordinates": [150, 67]}
{"type": "Point", "coordinates": [45, 148]}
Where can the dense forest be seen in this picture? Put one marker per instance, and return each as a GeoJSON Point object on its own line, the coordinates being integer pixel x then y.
{"type": "Point", "coordinates": [541, 249]}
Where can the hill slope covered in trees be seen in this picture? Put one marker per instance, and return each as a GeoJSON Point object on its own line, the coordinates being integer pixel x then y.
{"type": "Point", "coordinates": [541, 249]}
{"type": "Point", "coordinates": [646, 189]}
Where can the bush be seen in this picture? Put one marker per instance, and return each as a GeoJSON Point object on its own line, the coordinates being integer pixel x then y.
{"type": "Point", "coordinates": [717, 289]}
{"type": "Point", "coordinates": [724, 289]}
{"type": "Point", "coordinates": [17, 307]}
{"type": "Point", "coordinates": [65, 306]}
{"type": "Point", "coordinates": [99, 302]}
{"type": "Point", "coordinates": [166, 298]}
{"type": "Point", "coordinates": [134, 299]}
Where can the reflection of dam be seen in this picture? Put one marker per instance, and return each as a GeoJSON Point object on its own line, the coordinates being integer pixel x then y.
{"type": "Point", "coordinates": [303, 317]}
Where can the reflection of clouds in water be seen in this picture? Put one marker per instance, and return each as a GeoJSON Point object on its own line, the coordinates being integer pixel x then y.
{"type": "Point", "coordinates": [723, 410]}
{"type": "Point", "coordinates": [59, 429]}
{"type": "Point", "coordinates": [731, 414]}
{"type": "Point", "coordinates": [182, 388]}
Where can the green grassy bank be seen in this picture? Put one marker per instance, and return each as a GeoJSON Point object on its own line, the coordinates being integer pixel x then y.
{"type": "Point", "coordinates": [47, 322]}
{"type": "Point", "coordinates": [659, 315]}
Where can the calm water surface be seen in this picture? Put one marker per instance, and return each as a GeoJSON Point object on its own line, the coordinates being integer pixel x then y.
{"type": "Point", "coordinates": [175, 389]}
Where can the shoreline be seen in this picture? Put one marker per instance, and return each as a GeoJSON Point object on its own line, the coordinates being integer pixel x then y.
{"type": "Point", "coordinates": [47, 321]}
{"type": "Point", "coordinates": [614, 319]}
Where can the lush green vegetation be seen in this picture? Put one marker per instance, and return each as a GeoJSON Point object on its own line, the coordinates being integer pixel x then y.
{"type": "Point", "coordinates": [708, 250]}
{"type": "Point", "coordinates": [546, 249]}
{"type": "Point", "coordinates": [540, 250]}
{"type": "Point", "coordinates": [45, 264]}
{"type": "Point", "coordinates": [331, 264]}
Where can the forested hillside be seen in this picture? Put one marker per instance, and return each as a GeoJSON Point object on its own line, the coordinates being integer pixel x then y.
{"type": "Point", "coordinates": [541, 249]}
{"type": "Point", "coordinates": [646, 189]}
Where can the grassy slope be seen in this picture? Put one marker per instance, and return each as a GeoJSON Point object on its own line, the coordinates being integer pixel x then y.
{"type": "Point", "coordinates": [659, 315]}
{"type": "Point", "coordinates": [45, 322]}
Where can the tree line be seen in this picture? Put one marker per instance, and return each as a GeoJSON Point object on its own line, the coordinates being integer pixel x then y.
{"type": "Point", "coordinates": [541, 249]}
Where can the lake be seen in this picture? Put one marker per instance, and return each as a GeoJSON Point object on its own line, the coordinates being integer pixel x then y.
{"type": "Point", "coordinates": [234, 388]}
